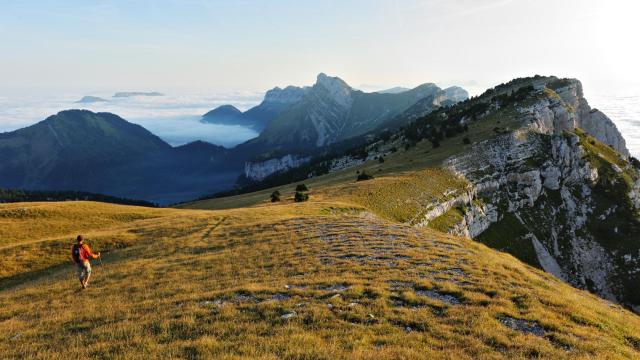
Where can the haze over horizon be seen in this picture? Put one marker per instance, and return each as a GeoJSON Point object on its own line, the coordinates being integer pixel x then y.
{"type": "Point", "coordinates": [176, 46]}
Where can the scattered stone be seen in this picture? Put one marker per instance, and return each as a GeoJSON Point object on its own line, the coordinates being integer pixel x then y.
{"type": "Point", "coordinates": [371, 316]}
{"type": "Point", "coordinates": [335, 296]}
{"type": "Point", "coordinates": [280, 297]}
{"type": "Point", "coordinates": [408, 329]}
{"type": "Point", "coordinates": [330, 306]}
{"type": "Point", "coordinates": [16, 336]}
{"type": "Point", "coordinates": [524, 326]}
{"type": "Point", "coordinates": [457, 271]}
{"type": "Point", "coordinates": [244, 298]}
{"type": "Point", "coordinates": [353, 304]}
{"type": "Point", "coordinates": [450, 299]}
{"type": "Point", "coordinates": [290, 287]}
{"type": "Point", "coordinates": [399, 285]}
{"type": "Point", "coordinates": [337, 287]}
{"type": "Point", "coordinates": [217, 303]}
{"type": "Point", "coordinates": [288, 315]}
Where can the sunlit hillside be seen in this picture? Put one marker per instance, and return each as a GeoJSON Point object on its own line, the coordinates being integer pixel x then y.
{"type": "Point", "coordinates": [321, 279]}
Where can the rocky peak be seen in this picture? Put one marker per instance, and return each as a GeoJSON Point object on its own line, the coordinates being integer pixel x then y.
{"type": "Point", "coordinates": [335, 88]}
{"type": "Point", "coordinates": [224, 110]}
{"type": "Point", "coordinates": [288, 95]}
{"type": "Point", "coordinates": [456, 93]}
{"type": "Point", "coordinates": [425, 90]}
{"type": "Point", "coordinates": [566, 109]}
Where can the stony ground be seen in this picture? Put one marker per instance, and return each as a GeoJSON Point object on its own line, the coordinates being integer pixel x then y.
{"type": "Point", "coordinates": [318, 280]}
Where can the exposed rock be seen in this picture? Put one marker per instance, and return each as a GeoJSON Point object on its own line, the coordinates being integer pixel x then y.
{"type": "Point", "coordinates": [456, 93]}
{"type": "Point", "coordinates": [540, 176]}
{"type": "Point", "coordinates": [336, 287]}
{"type": "Point", "coordinates": [288, 95]}
{"type": "Point", "coordinates": [634, 194]}
{"type": "Point", "coordinates": [524, 326]}
{"type": "Point", "coordinates": [447, 298]}
{"type": "Point", "coordinates": [288, 316]}
{"type": "Point", "coordinates": [257, 171]}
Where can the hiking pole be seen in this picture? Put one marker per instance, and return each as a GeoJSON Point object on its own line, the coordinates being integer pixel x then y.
{"type": "Point", "coordinates": [101, 265]}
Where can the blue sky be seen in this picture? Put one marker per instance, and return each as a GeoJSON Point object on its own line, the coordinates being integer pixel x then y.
{"type": "Point", "coordinates": [189, 45]}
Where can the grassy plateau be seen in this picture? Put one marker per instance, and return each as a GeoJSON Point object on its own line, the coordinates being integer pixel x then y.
{"type": "Point", "coordinates": [324, 279]}
{"type": "Point", "coordinates": [343, 275]}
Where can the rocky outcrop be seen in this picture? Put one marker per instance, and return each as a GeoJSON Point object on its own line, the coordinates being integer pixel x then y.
{"type": "Point", "coordinates": [567, 109]}
{"type": "Point", "coordinates": [257, 171]}
{"type": "Point", "coordinates": [561, 196]}
{"type": "Point", "coordinates": [634, 195]}
{"type": "Point", "coordinates": [289, 95]}
{"type": "Point", "coordinates": [456, 94]}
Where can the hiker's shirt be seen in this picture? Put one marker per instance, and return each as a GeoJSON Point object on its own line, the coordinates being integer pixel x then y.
{"type": "Point", "coordinates": [84, 254]}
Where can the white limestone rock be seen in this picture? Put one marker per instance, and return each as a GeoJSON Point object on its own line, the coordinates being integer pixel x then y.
{"type": "Point", "coordinates": [257, 171]}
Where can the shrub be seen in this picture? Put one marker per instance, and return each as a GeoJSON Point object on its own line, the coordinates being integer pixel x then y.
{"type": "Point", "coordinates": [301, 187]}
{"type": "Point", "coordinates": [275, 196]}
{"type": "Point", "coordinates": [466, 141]}
{"type": "Point", "coordinates": [380, 159]}
{"type": "Point", "coordinates": [364, 176]}
{"type": "Point", "coordinates": [435, 143]}
{"type": "Point", "coordinates": [300, 196]}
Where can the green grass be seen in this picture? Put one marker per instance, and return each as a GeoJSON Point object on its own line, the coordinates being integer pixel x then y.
{"type": "Point", "coordinates": [448, 220]}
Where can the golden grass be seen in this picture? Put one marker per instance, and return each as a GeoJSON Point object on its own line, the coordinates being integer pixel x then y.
{"type": "Point", "coordinates": [24, 222]}
{"type": "Point", "coordinates": [344, 275]}
{"type": "Point", "coordinates": [317, 280]}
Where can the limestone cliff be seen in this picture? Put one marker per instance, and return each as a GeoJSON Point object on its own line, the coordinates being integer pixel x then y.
{"type": "Point", "coordinates": [258, 170]}
{"type": "Point", "coordinates": [553, 194]}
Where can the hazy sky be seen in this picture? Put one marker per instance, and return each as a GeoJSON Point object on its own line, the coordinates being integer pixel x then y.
{"type": "Point", "coordinates": [180, 45]}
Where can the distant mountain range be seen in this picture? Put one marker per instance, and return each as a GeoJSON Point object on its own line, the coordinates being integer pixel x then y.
{"type": "Point", "coordinates": [94, 99]}
{"type": "Point", "coordinates": [102, 153]}
{"type": "Point", "coordinates": [394, 90]}
{"type": "Point", "coordinates": [136, 93]}
{"type": "Point", "coordinates": [90, 99]}
{"type": "Point", "coordinates": [258, 117]}
{"type": "Point", "coordinates": [297, 119]}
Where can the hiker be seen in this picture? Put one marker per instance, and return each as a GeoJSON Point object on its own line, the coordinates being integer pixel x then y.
{"type": "Point", "coordinates": [81, 254]}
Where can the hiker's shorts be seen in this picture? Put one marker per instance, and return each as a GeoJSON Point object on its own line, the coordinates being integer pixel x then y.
{"type": "Point", "coordinates": [83, 270]}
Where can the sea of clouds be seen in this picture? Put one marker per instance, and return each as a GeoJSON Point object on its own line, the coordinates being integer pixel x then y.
{"type": "Point", "coordinates": [174, 118]}
{"type": "Point", "coordinates": [624, 109]}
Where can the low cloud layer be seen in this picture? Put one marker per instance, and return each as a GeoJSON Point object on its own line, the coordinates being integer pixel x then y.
{"type": "Point", "coordinates": [176, 119]}
{"type": "Point", "coordinates": [624, 110]}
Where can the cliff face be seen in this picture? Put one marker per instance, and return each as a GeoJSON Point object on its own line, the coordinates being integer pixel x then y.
{"type": "Point", "coordinates": [259, 170]}
{"type": "Point", "coordinates": [558, 192]}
